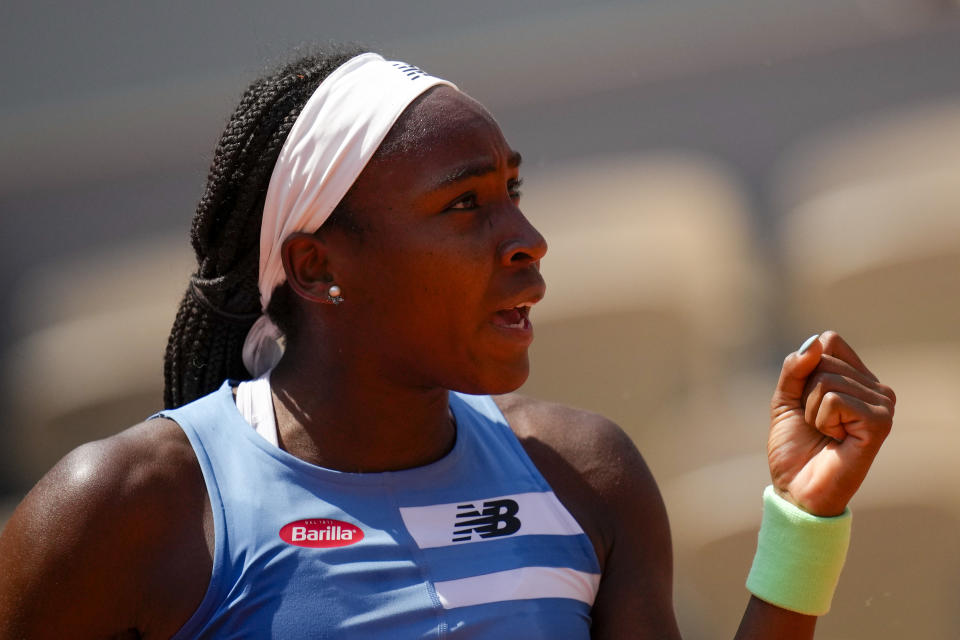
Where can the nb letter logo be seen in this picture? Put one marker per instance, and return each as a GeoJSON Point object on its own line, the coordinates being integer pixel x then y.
{"type": "Point", "coordinates": [495, 518]}
{"type": "Point", "coordinates": [410, 71]}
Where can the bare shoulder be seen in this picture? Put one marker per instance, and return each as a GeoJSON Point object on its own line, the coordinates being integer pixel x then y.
{"type": "Point", "coordinates": [601, 478]}
{"type": "Point", "coordinates": [146, 455]}
{"type": "Point", "coordinates": [102, 534]}
{"type": "Point", "coordinates": [589, 461]}
{"type": "Point", "coordinates": [588, 439]}
{"type": "Point", "coordinates": [142, 466]}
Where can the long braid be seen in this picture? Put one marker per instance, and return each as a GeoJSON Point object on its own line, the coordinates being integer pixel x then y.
{"type": "Point", "coordinates": [222, 300]}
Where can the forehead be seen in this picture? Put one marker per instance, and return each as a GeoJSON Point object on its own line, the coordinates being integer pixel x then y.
{"type": "Point", "coordinates": [442, 121]}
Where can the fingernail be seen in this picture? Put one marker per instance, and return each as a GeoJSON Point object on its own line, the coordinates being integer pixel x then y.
{"type": "Point", "coordinates": [806, 344]}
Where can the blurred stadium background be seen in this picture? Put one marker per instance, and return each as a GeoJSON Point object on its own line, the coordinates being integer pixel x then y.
{"type": "Point", "coordinates": [717, 182]}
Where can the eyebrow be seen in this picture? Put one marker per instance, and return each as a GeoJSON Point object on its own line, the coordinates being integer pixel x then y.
{"type": "Point", "coordinates": [472, 170]}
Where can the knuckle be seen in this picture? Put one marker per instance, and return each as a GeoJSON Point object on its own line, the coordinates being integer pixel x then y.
{"type": "Point", "coordinates": [887, 415]}
{"type": "Point", "coordinates": [888, 392]}
{"type": "Point", "coordinates": [831, 399]}
{"type": "Point", "coordinates": [830, 337]}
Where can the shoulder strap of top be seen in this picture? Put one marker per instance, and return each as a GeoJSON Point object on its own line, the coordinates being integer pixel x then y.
{"type": "Point", "coordinates": [255, 403]}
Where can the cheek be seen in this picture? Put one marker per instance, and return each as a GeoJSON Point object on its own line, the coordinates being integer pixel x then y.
{"type": "Point", "coordinates": [428, 272]}
{"type": "Point", "coordinates": [424, 286]}
{"type": "Point", "coordinates": [442, 291]}
{"type": "Point", "coordinates": [433, 262]}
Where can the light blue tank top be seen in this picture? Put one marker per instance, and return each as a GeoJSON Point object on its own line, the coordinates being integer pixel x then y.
{"type": "Point", "coordinates": [474, 545]}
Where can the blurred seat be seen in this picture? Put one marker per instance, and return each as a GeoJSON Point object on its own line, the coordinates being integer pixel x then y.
{"type": "Point", "coordinates": [871, 234]}
{"type": "Point", "coordinates": [91, 359]}
{"type": "Point", "coordinates": [652, 284]}
{"type": "Point", "coordinates": [879, 262]}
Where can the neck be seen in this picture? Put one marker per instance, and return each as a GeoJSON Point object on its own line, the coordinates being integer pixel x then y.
{"type": "Point", "coordinates": [337, 418]}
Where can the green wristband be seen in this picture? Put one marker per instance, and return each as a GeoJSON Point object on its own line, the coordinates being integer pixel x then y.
{"type": "Point", "coordinates": [799, 556]}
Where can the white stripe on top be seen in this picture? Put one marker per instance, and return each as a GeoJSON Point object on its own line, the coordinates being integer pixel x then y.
{"type": "Point", "coordinates": [539, 513]}
{"type": "Point", "coordinates": [525, 583]}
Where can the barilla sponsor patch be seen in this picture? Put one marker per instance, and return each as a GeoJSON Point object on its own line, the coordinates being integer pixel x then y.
{"type": "Point", "coordinates": [321, 533]}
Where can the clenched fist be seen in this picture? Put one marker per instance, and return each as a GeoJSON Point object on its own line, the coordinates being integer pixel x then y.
{"type": "Point", "coordinates": [829, 416]}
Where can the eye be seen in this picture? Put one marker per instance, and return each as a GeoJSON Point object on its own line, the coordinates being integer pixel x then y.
{"type": "Point", "coordinates": [466, 202]}
{"type": "Point", "coordinates": [513, 188]}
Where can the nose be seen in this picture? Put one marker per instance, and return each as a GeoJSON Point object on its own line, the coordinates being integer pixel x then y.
{"type": "Point", "coordinates": [524, 246]}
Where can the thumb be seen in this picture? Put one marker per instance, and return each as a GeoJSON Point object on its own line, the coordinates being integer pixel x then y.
{"type": "Point", "coordinates": [797, 367]}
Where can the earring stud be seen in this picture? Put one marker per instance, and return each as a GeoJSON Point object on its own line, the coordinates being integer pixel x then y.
{"type": "Point", "coordinates": [333, 294]}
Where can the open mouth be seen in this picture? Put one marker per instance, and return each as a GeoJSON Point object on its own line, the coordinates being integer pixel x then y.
{"type": "Point", "coordinates": [516, 318]}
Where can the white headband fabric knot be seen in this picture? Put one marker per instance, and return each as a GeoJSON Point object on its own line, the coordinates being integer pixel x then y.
{"type": "Point", "coordinates": [337, 132]}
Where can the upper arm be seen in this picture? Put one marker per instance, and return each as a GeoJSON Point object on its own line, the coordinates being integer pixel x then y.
{"type": "Point", "coordinates": [59, 553]}
{"type": "Point", "coordinates": [598, 474]}
{"type": "Point", "coordinates": [636, 591]}
{"type": "Point", "coordinates": [80, 554]}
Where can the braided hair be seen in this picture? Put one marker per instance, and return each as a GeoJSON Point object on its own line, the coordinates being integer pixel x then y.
{"type": "Point", "coordinates": [223, 299]}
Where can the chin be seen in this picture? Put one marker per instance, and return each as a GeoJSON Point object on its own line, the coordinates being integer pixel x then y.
{"type": "Point", "coordinates": [497, 380]}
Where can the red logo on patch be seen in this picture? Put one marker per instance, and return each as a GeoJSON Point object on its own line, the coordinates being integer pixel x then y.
{"type": "Point", "coordinates": [321, 533]}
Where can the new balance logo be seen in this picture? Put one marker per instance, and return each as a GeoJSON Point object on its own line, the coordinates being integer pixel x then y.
{"type": "Point", "coordinates": [494, 519]}
{"type": "Point", "coordinates": [410, 71]}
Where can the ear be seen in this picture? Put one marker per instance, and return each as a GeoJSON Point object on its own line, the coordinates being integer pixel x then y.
{"type": "Point", "coordinates": [304, 259]}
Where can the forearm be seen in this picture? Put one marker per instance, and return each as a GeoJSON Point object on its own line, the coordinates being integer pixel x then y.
{"type": "Point", "coordinates": [764, 621]}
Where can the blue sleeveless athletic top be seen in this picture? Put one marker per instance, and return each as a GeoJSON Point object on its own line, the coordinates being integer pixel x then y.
{"type": "Point", "coordinates": [474, 545]}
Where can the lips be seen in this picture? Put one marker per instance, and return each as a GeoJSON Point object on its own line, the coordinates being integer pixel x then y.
{"type": "Point", "coordinates": [516, 318]}
{"type": "Point", "coordinates": [512, 320]}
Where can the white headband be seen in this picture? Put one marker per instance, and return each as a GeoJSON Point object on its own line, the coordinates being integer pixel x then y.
{"type": "Point", "coordinates": [333, 138]}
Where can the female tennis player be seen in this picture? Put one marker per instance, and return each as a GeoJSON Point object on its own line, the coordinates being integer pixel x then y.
{"type": "Point", "coordinates": [330, 462]}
